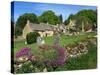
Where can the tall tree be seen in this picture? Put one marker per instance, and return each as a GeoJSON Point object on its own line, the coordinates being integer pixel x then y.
{"type": "Point", "coordinates": [60, 18]}
{"type": "Point", "coordinates": [71, 16]}
{"type": "Point", "coordinates": [50, 17]}
{"type": "Point", "coordinates": [91, 14]}
{"type": "Point", "coordinates": [83, 23]}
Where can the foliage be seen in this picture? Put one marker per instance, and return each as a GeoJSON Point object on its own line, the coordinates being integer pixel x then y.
{"type": "Point", "coordinates": [66, 22]}
{"type": "Point", "coordinates": [18, 31]}
{"type": "Point", "coordinates": [61, 56]}
{"type": "Point", "coordinates": [55, 56]}
{"type": "Point", "coordinates": [61, 19]}
{"type": "Point", "coordinates": [26, 68]}
{"type": "Point", "coordinates": [86, 21]}
{"type": "Point", "coordinates": [49, 17]}
{"type": "Point", "coordinates": [32, 37]}
{"type": "Point", "coordinates": [91, 14]}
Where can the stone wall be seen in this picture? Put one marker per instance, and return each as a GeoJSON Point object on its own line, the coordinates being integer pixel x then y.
{"type": "Point", "coordinates": [46, 33]}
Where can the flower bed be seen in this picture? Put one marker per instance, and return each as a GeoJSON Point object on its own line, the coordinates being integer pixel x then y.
{"type": "Point", "coordinates": [60, 59]}
{"type": "Point", "coordinates": [51, 56]}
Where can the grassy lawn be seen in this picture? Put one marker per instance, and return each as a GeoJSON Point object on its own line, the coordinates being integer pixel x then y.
{"type": "Point", "coordinates": [87, 61]}
{"type": "Point", "coordinates": [64, 40]}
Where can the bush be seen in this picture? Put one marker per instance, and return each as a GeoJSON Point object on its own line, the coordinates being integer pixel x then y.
{"type": "Point", "coordinates": [31, 37]}
{"type": "Point", "coordinates": [18, 31]}
{"type": "Point", "coordinates": [27, 67]}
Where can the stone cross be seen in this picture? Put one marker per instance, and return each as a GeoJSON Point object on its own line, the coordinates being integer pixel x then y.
{"type": "Point", "coordinates": [56, 38]}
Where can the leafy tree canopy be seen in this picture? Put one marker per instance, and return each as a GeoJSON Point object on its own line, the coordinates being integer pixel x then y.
{"type": "Point", "coordinates": [91, 14]}
{"type": "Point", "coordinates": [23, 19]}
{"type": "Point", "coordinates": [50, 17]}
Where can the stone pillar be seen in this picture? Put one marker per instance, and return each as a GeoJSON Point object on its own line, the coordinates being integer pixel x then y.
{"type": "Point", "coordinates": [28, 22]}
{"type": "Point", "coordinates": [56, 38]}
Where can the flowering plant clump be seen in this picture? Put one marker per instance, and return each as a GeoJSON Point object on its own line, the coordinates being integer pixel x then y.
{"type": "Point", "coordinates": [24, 52]}
{"type": "Point", "coordinates": [61, 56]}
{"type": "Point", "coordinates": [60, 60]}
{"type": "Point", "coordinates": [44, 47]}
{"type": "Point", "coordinates": [52, 62]}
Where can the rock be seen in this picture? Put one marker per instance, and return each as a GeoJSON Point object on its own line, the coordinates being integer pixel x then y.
{"type": "Point", "coordinates": [40, 41]}
{"type": "Point", "coordinates": [71, 55]}
{"type": "Point", "coordinates": [45, 70]}
{"type": "Point", "coordinates": [95, 36]}
{"type": "Point", "coordinates": [37, 70]}
{"type": "Point", "coordinates": [18, 66]}
{"type": "Point", "coordinates": [77, 49]}
{"type": "Point", "coordinates": [22, 59]}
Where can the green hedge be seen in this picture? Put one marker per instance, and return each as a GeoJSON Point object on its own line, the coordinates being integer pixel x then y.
{"type": "Point", "coordinates": [31, 37]}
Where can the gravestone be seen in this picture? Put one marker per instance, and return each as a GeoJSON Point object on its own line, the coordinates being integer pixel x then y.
{"type": "Point", "coordinates": [25, 42]}
{"type": "Point", "coordinates": [57, 39]}
{"type": "Point", "coordinates": [40, 41]}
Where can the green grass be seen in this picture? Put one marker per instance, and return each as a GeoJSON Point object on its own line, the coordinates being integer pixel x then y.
{"type": "Point", "coordinates": [87, 61]}
{"type": "Point", "coordinates": [64, 40]}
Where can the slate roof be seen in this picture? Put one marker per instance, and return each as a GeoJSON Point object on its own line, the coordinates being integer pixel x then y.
{"type": "Point", "coordinates": [41, 26]}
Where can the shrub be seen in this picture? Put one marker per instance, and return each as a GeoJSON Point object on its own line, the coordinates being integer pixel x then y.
{"type": "Point", "coordinates": [27, 67]}
{"type": "Point", "coordinates": [31, 37]}
{"type": "Point", "coordinates": [57, 60]}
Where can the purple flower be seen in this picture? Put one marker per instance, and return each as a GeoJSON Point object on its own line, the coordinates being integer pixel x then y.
{"type": "Point", "coordinates": [23, 51]}
{"type": "Point", "coordinates": [60, 60]}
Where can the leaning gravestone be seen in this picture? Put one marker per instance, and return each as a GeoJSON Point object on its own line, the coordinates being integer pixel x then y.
{"type": "Point", "coordinates": [40, 41]}
{"type": "Point", "coordinates": [25, 42]}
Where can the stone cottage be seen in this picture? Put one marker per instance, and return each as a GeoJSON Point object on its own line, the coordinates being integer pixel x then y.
{"type": "Point", "coordinates": [72, 25]}
{"type": "Point", "coordinates": [44, 29]}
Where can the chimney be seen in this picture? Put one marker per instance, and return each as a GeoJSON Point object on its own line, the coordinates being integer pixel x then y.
{"type": "Point", "coordinates": [47, 23]}
{"type": "Point", "coordinates": [28, 22]}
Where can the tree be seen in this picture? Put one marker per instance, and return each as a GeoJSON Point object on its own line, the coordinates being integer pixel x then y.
{"type": "Point", "coordinates": [91, 15]}
{"type": "Point", "coordinates": [71, 16]}
{"type": "Point", "coordinates": [18, 31]}
{"type": "Point", "coordinates": [83, 23]}
{"type": "Point", "coordinates": [60, 18]}
{"type": "Point", "coordinates": [50, 17]}
{"type": "Point", "coordinates": [21, 22]}
{"type": "Point", "coordinates": [32, 37]}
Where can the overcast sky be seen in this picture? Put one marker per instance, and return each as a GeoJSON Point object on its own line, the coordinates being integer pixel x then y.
{"type": "Point", "coordinates": [38, 8]}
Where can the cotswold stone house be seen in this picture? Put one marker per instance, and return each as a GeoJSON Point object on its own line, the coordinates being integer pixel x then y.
{"type": "Point", "coordinates": [72, 25]}
{"type": "Point", "coordinates": [43, 29]}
